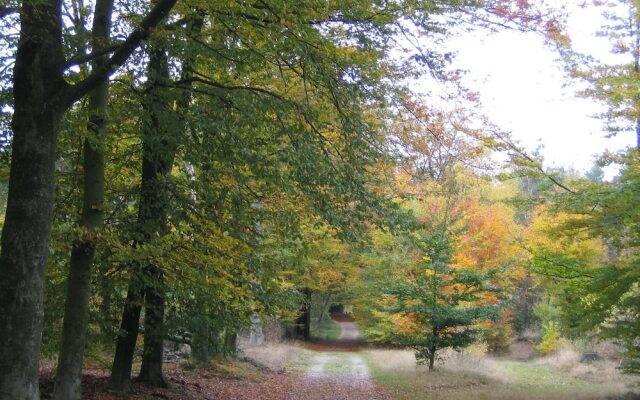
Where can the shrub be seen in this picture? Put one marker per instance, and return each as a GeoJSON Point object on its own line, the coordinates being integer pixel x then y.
{"type": "Point", "coordinates": [551, 339]}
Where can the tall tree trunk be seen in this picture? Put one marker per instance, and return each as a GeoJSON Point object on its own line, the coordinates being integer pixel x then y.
{"type": "Point", "coordinates": [41, 96]}
{"type": "Point", "coordinates": [106, 321]}
{"type": "Point", "coordinates": [158, 154]}
{"type": "Point", "coordinates": [126, 343]}
{"type": "Point", "coordinates": [74, 330]}
{"type": "Point", "coordinates": [161, 138]}
{"type": "Point", "coordinates": [307, 315]}
{"type": "Point", "coordinates": [37, 78]}
{"type": "Point", "coordinates": [204, 343]}
{"type": "Point", "coordinates": [160, 146]}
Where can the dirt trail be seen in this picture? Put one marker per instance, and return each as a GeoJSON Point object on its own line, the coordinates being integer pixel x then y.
{"type": "Point", "coordinates": [337, 366]}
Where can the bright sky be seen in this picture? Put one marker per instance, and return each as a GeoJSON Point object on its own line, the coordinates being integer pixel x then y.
{"type": "Point", "coordinates": [524, 90]}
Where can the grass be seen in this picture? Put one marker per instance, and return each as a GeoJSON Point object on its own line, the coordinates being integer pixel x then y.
{"type": "Point", "coordinates": [327, 329]}
{"type": "Point", "coordinates": [491, 378]}
{"type": "Point", "coordinates": [338, 363]}
{"type": "Point", "coordinates": [281, 356]}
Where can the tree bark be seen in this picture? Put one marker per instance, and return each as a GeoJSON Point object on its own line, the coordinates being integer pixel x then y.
{"type": "Point", "coordinates": [160, 146]}
{"type": "Point", "coordinates": [205, 342]}
{"type": "Point", "coordinates": [230, 343]}
{"type": "Point", "coordinates": [158, 154]}
{"type": "Point", "coordinates": [161, 137]}
{"type": "Point", "coordinates": [41, 96]}
{"type": "Point", "coordinates": [153, 352]}
{"type": "Point", "coordinates": [74, 330]}
{"type": "Point", "coordinates": [37, 78]}
{"type": "Point", "coordinates": [120, 378]}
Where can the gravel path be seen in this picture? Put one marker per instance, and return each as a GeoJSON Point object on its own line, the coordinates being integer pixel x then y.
{"type": "Point", "coordinates": [341, 374]}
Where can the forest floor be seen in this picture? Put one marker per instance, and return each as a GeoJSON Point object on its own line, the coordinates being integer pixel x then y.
{"type": "Point", "coordinates": [320, 370]}
{"type": "Point", "coordinates": [343, 369]}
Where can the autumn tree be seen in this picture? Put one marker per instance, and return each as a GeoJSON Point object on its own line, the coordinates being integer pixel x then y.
{"type": "Point", "coordinates": [441, 306]}
{"type": "Point", "coordinates": [41, 95]}
{"type": "Point", "coordinates": [582, 254]}
{"type": "Point", "coordinates": [268, 106]}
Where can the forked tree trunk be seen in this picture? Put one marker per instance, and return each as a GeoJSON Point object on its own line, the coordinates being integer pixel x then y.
{"type": "Point", "coordinates": [148, 282]}
{"type": "Point", "coordinates": [160, 146]}
{"type": "Point", "coordinates": [162, 128]}
{"type": "Point", "coordinates": [74, 330]}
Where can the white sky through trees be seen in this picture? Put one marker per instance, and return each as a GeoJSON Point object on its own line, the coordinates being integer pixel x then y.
{"type": "Point", "coordinates": [524, 89]}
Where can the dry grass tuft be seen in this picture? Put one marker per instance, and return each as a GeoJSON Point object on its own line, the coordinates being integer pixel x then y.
{"type": "Point", "coordinates": [394, 360]}
{"type": "Point", "coordinates": [565, 357]}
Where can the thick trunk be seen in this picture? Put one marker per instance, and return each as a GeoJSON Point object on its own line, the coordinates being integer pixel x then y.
{"type": "Point", "coordinates": [205, 343]}
{"type": "Point", "coordinates": [74, 330]}
{"type": "Point", "coordinates": [23, 261]}
{"type": "Point", "coordinates": [209, 340]}
{"type": "Point", "coordinates": [27, 227]}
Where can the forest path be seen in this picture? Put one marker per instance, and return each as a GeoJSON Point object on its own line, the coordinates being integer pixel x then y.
{"type": "Point", "coordinates": [339, 367]}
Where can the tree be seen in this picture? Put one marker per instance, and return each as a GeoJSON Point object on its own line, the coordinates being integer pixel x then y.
{"type": "Point", "coordinates": [74, 332]}
{"type": "Point", "coordinates": [585, 251]}
{"type": "Point", "coordinates": [615, 84]}
{"type": "Point", "coordinates": [442, 304]}
{"type": "Point", "coordinates": [41, 97]}
{"type": "Point", "coordinates": [163, 128]}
